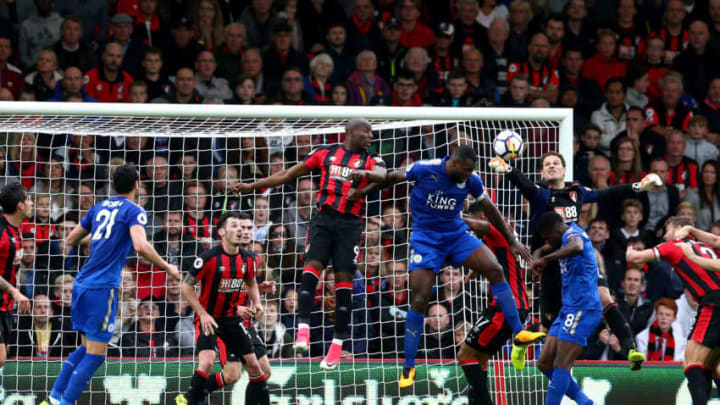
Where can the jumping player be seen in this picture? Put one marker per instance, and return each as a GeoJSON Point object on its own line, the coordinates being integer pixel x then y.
{"type": "Point", "coordinates": [704, 286]}
{"type": "Point", "coordinates": [221, 272]}
{"type": "Point", "coordinates": [581, 309]}
{"type": "Point", "coordinates": [335, 230]}
{"type": "Point", "coordinates": [439, 234]}
{"type": "Point", "coordinates": [116, 226]}
{"type": "Point", "coordinates": [17, 207]}
{"type": "Point", "coordinates": [566, 199]}
{"type": "Point", "coordinates": [491, 330]}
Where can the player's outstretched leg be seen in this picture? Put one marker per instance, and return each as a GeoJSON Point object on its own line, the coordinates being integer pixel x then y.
{"type": "Point", "coordinates": [421, 284]}
{"type": "Point", "coordinates": [620, 327]}
{"type": "Point", "coordinates": [555, 362]}
{"type": "Point", "coordinates": [474, 365]}
{"type": "Point", "coordinates": [310, 277]}
{"type": "Point", "coordinates": [62, 379]}
{"type": "Point", "coordinates": [256, 392]}
{"type": "Point", "coordinates": [81, 376]}
{"type": "Point", "coordinates": [482, 261]}
{"type": "Point", "coordinates": [343, 297]}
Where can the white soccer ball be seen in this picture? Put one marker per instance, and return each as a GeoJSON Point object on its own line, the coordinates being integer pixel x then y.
{"type": "Point", "coordinates": [508, 144]}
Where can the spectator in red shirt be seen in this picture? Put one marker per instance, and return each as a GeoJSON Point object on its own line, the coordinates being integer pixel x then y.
{"type": "Point", "coordinates": [555, 32]}
{"type": "Point", "coordinates": [405, 91]}
{"type": "Point", "coordinates": [603, 65]}
{"type": "Point", "coordinates": [668, 113]}
{"type": "Point", "coordinates": [673, 34]}
{"type": "Point", "coordinates": [468, 32]}
{"type": "Point", "coordinates": [10, 75]}
{"type": "Point", "coordinates": [414, 33]}
{"type": "Point", "coordinates": [656, 68]}
{"type": "Point", "coordinates": [682, 170]}
{"type": "Point", "coordinates": [109, 83]}
{"type": "Point", "coordinates": [147, 24]}
{"type": "Point", "coordinates": [631, 37]}
{"type": "Point", "coordinates": [544, 80]}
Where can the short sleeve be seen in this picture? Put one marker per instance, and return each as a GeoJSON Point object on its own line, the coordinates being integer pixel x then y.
{"type": "Point", "coordinates": [87, 220]}
{"type": "Point", "coordinates": [252, 265]}
{"type": "Point", "coordinates": [476, 186]}
{"type": "Point", "coordinates": [314, 160]}
{"type": "Point", "coordinates": [375, 160]}
{"type": "Point", "coordinates": [196, 267]}
{"type": "Point", "coordinates": [668, 251]}
{"type": "Point", "coordinates": [411, 173]}
{"type": "Point", "coordinates": [570, 235]}
{"type": "Point", "coordinates": [137, 216]}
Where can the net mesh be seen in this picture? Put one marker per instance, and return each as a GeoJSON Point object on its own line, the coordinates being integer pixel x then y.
{"type": "Point", "coordinates": [187, 166]}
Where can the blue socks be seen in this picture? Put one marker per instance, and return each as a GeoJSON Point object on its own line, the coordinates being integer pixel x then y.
{"type": "Point", "coordinates": [504, 297]}
{"type": "Point", "coordinates": [558, 386]}
{"type": "Point", "coordinates": [68, 367]}
{"type": "Point", "coordinates": [81, 377]}
{"type": "Point", "coordinates": [413, 333]}
{"type": "Point", "coordinates": [573, 389]}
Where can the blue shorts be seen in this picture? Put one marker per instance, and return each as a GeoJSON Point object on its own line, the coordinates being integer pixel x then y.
{"type": "Point", "coordinates": [434, 250]}
{"type": "Point", "coordinates": [575, 325]}
{"type": "Point", "coordinates": [93, 312]}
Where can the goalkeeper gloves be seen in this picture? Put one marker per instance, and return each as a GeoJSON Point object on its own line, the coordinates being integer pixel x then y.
{"type": "Point", "coordinates": [648, 182]}
{"type": "Point", "coordinates": [499, 165]}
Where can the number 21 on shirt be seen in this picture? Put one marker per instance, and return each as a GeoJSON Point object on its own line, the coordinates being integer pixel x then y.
{"type": "Point", "coordinates": [106, 219]}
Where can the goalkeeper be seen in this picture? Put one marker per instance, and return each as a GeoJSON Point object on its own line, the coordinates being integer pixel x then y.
{"type": "Point", "coordinates": [566, 199]}
{"type": "Point", "coordinates": [439, 234]}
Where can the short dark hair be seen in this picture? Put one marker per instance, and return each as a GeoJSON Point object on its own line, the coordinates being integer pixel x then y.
{"type": "Point", "coordinates": [225, 217]}
{"type": "Point", "coordinates": [456, 74]}
{"type": "Point", "coordinates": [155, 50]}
{"type": "Point", "coordinates": [405, 74]}
{"type": "Point", "coordinates": [125, 178]}
{"type": "Point", "coordinates": [636, 109]}
{"type": "Point", "coordinates": [476, 207]}
{"type": "Point", "coordinates": [634, 239]}
{"type": "Point", "coordinates": [548, 221]}
{"type": "Point", "coordinates": [244, 215]}
{"type": "Point", "coordinates": [548, 154]}
{"type": "Point", "coordinates": [599, 220]}
{"type": "Point", "coordinates": [678, 221]}
{"type": "Point", "coordinates": [618, 80]}
{"type": "Point", "coordinates": [464, 152]}
{"type": "Point", "coordinates": [11, 195]}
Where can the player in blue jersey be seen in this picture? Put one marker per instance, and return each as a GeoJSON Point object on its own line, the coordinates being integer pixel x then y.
{"type": "Point", "coordinates": [581, 309]}
{"type": "Point", "coordinates": [114, 227]}
{"type": "Point", "coordinates": [439, 234]}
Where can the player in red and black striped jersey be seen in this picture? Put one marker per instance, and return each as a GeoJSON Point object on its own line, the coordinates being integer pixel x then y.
{"type": "Point", "coordinates": [697, 264]}
{"type": "Point", "coordinates": [490, 331]}
{"type": "Point", "coordinates": [221, 272]}
{"type": "Point", "coordinates": [335, 231]}
{"type": "Point", "coordinates": [17, 207]}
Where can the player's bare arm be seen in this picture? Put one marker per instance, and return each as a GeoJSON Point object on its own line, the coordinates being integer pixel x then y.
{"type": "Point", "coordinates": [395, 177]}
{"type": "Point", "coordinates": [78, 236]}
{"type": "Point", "coordinates": [639, 257]}
{"type": "Point", "coordinates": [207, 323]}
{"type": "Point", "coordinates": [497, 220]}
{"type": "Point", "coordinates": [254, 295]}
{"type": "Point", "coordinates": [481, 228]}
{"type": "Point", "coordinates": [276, 179]}
{"type": "Point", "coordinates": [704, 262]}
{"type": "Point", "coordinates": [148, 252]}
{"type": "Point", "coordinates": [22, 301]}
{"type": "Point", "coordinates": [704, 237]}
{"type": "Point", "coordinates": [570, 249]}
{"type": "Point", "coordinates": [376, 175]}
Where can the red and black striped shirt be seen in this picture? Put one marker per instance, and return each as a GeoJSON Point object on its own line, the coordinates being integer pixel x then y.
{"type": "Point", "coordinates": [699, 281]}
{"type": "Point", "coordinates": [197, 228]}
{"type": "Point", "coordinates": [221, 279]}
{"type": "Point", "coordinates": [335, 164]}
{"type": "Point", "coordinates": [539, 79]}
{"type": "Point", "coordinates": [11, 252]}
{"type": "Point", "coordinates": [514, 273]}
{"type": "Point", "coordinates": [684, 175]}
{"type": "Point", "coordinates": [674, 44]}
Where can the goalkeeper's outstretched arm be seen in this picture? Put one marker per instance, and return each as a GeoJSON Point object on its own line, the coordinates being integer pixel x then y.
{"type": "Point", "coordinates": [276, 179]}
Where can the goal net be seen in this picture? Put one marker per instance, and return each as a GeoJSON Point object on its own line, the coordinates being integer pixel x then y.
{"type": "Point", "coordinates": [189, 157]}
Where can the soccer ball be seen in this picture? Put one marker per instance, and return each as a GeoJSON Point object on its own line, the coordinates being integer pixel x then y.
{"type": "Point", "coordinates": [508, 144]}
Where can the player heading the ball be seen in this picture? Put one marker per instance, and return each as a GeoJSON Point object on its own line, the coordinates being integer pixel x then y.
{"type": "Point", "coordinates": [439, 234]}
{"type": "Point", "coordinates": [113, 227]}
{"type": "Point", "coordinates": [335, 231]}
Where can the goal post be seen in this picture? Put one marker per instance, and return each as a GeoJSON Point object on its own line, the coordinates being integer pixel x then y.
{"type": "Point", "coordinates": [189, 155]}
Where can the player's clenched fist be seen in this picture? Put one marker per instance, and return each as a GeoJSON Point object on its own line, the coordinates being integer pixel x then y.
{"type": "Point", "coordinates": [242, 188]}
{"type": "Point", "coordinates": [499, 165]}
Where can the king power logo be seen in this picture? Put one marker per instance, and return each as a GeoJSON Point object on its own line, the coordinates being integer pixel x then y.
{"type": "Point", "coordinates": [146, 389]}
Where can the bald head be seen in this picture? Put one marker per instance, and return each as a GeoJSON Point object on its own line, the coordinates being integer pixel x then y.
{"type": "Point", "coordinates": [357, 123]}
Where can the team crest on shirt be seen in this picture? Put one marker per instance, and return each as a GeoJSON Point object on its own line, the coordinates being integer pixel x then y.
{"type": "Point", "coordinates": [99, 87]}
{"type": "Point", "coordinates": [573, 196]}
{"type": "Point", "coordinates": [358, 164]}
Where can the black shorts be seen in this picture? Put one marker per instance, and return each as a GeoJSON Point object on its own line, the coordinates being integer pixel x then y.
{"type": "Point", "coordinates": [491, 331]}
{"type": "Point", "coordinates": [706, 330]}
{"type": "Point", "coordinates": [336, 236]}
{"type": "Point", "coordinates": [6, 322]}
{"type": "Point", "coordinates": [233, 333]}
{"type": "Point", "coordinates": [257, 342]}
{"type": "Point", "coordinates": [550, 294]}
{"type": "Point", "coordinates": [602, 278]}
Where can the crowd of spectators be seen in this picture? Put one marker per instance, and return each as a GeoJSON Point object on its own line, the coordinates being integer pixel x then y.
{"type": "Point", "coordinates": [641, 77]}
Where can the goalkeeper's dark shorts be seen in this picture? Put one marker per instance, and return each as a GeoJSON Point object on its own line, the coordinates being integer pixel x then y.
{"type": "Point", "coordinates": [336, 236]}
{"type": "Point", "coordinates": [6, 322]}
{"type": "Point", "coordinates": [491, 331]}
